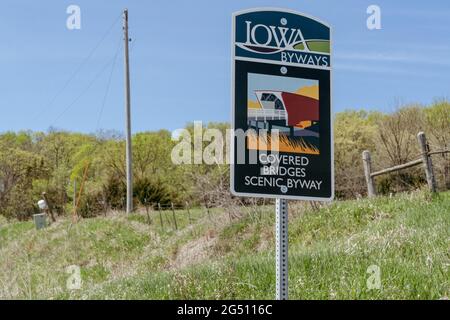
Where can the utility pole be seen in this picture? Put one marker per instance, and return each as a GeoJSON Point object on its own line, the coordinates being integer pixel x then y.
{"type": "Point", "coordinates": [129, 156]}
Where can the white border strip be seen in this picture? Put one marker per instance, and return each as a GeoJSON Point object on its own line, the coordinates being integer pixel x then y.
{"type": "Point", "coordinates": [293, 64]}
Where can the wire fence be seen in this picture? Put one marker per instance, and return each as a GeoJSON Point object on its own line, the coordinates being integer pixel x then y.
{"type": "Point", "coordinates": [171, 216]}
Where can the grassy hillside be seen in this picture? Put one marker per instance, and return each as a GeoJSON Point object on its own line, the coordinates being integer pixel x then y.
{"type": "Point", "coordinates": [120, 256]}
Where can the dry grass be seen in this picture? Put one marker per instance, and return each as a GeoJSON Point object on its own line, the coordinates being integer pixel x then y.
{"type": "Point", "coordinates": [286, 144]}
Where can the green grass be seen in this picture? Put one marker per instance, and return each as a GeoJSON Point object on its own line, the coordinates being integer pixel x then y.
{"type": "Point", "coordinates": [330, 251]}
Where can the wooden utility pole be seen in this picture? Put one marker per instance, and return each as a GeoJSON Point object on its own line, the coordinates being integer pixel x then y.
{"type": "Point", "coordinates": [426, 159]}
{"type": "Point", "coordinates": [368, 174]}
{"type": "Point", "coordinates": [129, 156]}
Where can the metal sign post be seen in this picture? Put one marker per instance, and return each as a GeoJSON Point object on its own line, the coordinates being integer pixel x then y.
{"type": "Point", "coordinates": [281, 210]}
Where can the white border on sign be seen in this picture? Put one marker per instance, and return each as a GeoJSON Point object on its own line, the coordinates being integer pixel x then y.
{"type": "Point", "coordinates": [233, 56]}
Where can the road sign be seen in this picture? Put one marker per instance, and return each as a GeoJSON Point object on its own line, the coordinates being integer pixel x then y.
{"type": "Point", "coordinates": [281, 106]}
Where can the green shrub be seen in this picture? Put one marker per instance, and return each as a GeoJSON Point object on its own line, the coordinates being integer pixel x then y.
{"type": "Point", "coordinates": [148, 192]}
{"type": "Point", "coordinates": [115, 193]}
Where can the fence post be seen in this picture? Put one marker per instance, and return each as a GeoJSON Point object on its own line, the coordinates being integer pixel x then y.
{"type": "Point", "coordinates": [49, 206]}
{"type": "Point", "coordinates": [207, 211]}
{"type": "Point", "coordinates": [149, 220]}
{"type": "Point", "coordinates": [446, 169]}
{"type": "Point", "coordinates": [426, 159]}
{"type": "Point", "coordinates": [367, 172]}
{"type": "Point", "coordinates": [174, 218]}
{"type": "Point", "coordinates": [160, 216]}
{"type": "Point", "coordinates": [189, 213]}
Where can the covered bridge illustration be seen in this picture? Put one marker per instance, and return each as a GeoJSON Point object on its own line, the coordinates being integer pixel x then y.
{"type": "Point", "coordinates": [285, 110]}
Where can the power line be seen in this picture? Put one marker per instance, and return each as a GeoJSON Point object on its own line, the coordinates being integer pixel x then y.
{"type": "Point", "coordinates": [109, 82]}
{"type": "Point", "coordinates": [107, 87]}
{"type": "Point", "coordinates": [82, 92]}
{"type": "Point", "coordinates": [77, 70]}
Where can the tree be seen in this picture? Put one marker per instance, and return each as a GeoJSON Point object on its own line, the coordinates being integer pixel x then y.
{"type": "Point", "coordinates": [354, 132]}
{"type": "Point", "coordinates": [151, 153]}
{"type": "Point", "coordinates": [437, 118]}
{"type": "Point", "coordinates": [149, 192]}
{"type": "Point", "coordinates": [18, 169]}
{"type": "Point", "coordinates": [397, 134]}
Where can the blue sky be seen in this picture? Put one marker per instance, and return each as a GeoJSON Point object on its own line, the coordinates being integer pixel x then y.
{"type": "Point", "coordinates": [269, 82]}
{"type": "Point", "coordinates": [180, 59]}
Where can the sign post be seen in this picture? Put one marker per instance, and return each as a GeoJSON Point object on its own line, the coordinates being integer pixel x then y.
{"type": "Point", "coordinates": [281, 249]}
{"type": "Point", "coordinates": [282, 146]}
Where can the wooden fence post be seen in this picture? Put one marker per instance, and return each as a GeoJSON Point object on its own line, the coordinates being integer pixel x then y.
{"type": "Point", "coordinates": [189, 213]}
{"type": "Point", "coordinates": [160, 216]}
{"type": "Point", "coordinates": [207, 211]}
{"type": "Point", "coordinates": [446, 169]}
{"type": "Point", "coordinates": [367, 172]}
{"type": "Point", "coordinates": [49, 206]}
{"type": "Point", "coordinates": [149, 220]}
{"type": "Point", "coordinates": [174, 218]}
{"type": "Point", "coordinates": [427, 163]}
